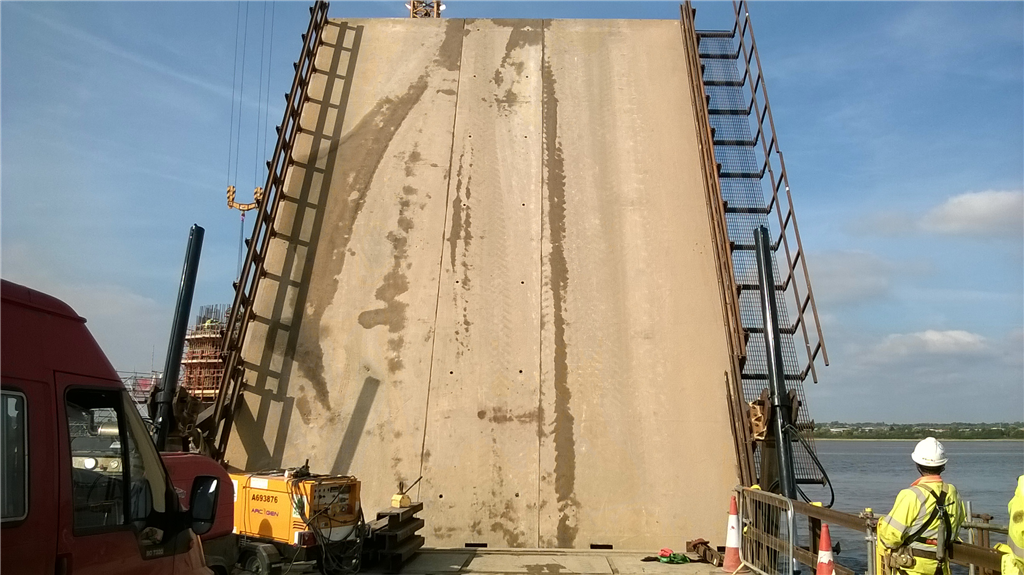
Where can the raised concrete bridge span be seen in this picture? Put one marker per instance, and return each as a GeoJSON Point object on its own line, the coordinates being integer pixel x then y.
{"type": "Point", "coordinates": [494, 254]}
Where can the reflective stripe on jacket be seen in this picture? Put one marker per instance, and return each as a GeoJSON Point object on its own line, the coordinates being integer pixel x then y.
{"type": "Point", "coordinates": [913, 507]}
{"type": "Point", "coordinates": [1016, 510]}
{"type": "Point", "coordinates": [1010, 563]}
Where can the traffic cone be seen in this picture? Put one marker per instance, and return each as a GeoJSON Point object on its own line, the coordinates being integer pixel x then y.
{"type": "Point", "coordinates": [731, 562]}
{"type": "Point", "coordinates": [826, 565]}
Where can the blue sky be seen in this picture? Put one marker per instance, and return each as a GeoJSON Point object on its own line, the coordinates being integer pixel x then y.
{"type": "Point", "coordinates": [902, 125]}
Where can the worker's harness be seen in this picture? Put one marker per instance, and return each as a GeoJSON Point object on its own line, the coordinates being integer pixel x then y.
{"type": "Point", "coordinates": [902, 558]}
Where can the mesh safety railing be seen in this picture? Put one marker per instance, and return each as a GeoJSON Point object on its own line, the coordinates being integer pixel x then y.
{"type": "Point", "coordinates": [754, 189]}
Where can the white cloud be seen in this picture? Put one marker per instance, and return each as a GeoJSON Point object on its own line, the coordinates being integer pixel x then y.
{"type": "Point", "coordinates": [990, 213]}
{"type": "Point", "coordinates": [993, 214]}
{"type": "Point", "coordinates": [931, 375]}
{"type": "Point", "coordinates": [948, 342]}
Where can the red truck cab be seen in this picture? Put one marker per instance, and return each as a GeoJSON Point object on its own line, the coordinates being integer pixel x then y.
{"type": "Point", "coordinates": [83, 489]}
{"type": "Point", "coordinates": [220, 543]}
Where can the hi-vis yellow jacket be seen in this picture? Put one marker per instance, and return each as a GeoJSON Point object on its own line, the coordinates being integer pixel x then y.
{"type": "Point", "coordinates": [912, 509]}
{"type": "Point", "coordinates": [1013, 550]}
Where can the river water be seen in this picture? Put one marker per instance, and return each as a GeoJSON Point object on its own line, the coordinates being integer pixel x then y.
{"type": "Point", "coordinates": [870, 473]}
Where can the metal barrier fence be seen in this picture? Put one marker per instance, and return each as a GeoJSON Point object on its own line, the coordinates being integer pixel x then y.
{"type": "Point", "coordinates": [766, 532]}
{"type": "Point", "coordinates": [769, 543]}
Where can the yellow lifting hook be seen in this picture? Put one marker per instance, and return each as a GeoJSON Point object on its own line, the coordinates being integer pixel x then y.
{"type": "Point", "coordinates": [257, 195]}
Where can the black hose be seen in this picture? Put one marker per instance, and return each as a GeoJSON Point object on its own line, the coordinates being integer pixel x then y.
{"type": "Point", "coordinates": [832, 498]}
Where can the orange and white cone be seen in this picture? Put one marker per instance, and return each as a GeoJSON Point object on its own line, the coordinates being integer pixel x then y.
{"type": "Point", "coordinates": [826, 565]}
{"type": "Point", "coordinates": [731, 562]}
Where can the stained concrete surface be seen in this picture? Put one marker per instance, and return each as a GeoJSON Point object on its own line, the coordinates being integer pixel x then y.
{"type": "Point", "coordinates": [454, 561]}
{"type": "Point", "coordinates": [493, 268]}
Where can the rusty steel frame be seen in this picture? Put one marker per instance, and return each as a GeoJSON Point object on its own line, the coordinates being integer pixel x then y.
{"type": "Point", "coordinates": [222, 416]}
{"type": "Point", "coordinates": [742, 29]}
{"type": "Point", "coordinates": [720, 243]}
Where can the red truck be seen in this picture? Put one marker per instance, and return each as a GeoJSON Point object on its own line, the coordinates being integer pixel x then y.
{"type": "Point", "coordinates": [83, 489]}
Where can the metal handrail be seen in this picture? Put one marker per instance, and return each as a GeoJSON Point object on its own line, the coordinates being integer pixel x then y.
{"type": "Point", "coordinates": [961, 553]}
{"type": "Point", "coordinates": [241, 315]}
{"type": "Point", "coordinates": [769, 146]}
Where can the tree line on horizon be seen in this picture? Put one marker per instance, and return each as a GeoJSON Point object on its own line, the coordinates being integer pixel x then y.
{"type": "Point", "coordinates": [956, 430]}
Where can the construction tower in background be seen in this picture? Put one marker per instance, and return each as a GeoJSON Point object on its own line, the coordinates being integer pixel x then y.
{"type": "Point", "coordinates": [203, 362]}
{"type": "Point", "coordinates": [425, 8]}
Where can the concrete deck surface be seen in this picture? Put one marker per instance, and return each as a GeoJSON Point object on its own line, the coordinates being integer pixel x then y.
{"type": "Point", "coordinates": [493, 268]}
{"type": "Point", "coordinates": [533, 562]}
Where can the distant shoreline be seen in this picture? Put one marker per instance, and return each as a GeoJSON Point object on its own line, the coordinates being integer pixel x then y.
{"type": "Point", "coordinates": [908, 439]}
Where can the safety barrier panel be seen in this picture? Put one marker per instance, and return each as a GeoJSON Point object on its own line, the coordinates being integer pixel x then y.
{"type": "Point", "coordinates": [766, 531]}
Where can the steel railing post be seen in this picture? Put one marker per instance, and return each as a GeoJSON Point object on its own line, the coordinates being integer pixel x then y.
{"type": "Point", "coordinates": [869, 538]}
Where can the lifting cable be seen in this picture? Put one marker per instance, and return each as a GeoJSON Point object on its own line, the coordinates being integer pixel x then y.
{"type": "Point", "coordinates": [262, 114]}
{"type": "Point", "coordinates": [270, 60]}
{"type": "Point", "coordinates": [234, 81]}
{"type": "Point", "coordinates": [241, 88]}
{"type": "Point", "coordinates": [259, 102]}
{"type": "Point", "coordinates": [238, 138]}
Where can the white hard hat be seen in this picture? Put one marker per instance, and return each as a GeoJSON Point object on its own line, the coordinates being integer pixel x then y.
{"type": "Point", "coordinates": [929, 453]}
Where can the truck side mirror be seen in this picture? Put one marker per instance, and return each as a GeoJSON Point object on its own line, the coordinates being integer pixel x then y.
{"type": "Point", "coordinates": [203, 503]}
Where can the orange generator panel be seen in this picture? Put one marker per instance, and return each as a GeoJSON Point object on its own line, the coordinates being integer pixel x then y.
{"type": "Point", "coordinates": [297, 510]}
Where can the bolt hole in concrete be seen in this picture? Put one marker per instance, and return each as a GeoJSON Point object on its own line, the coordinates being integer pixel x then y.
{"type": "Point", "coordinates": [440, 495]}
{"type": "Point", "coordinates": [517, 494]}
{"type": "Point", "coordinates": [451, 373]}
{"type": "Point", "coordinates": [520, 371]}
{"type": "Point", "coordinates": [523, 283]}
{"type": "Point", "coordinates": [524, 205]}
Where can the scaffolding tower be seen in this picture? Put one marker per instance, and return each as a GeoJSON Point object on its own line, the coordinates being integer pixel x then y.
{"type": "Point", "coordinates": [203, 362]}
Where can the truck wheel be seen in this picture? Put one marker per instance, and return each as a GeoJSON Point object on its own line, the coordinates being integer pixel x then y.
{"type": "Point", "coordinates": [256, 563]}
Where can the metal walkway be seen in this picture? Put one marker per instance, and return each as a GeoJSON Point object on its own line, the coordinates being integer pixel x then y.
{"type": "Point", "coordinates": [755, 192]}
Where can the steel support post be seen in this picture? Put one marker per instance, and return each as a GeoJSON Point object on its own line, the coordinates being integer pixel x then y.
{"type": "Point", "coordinates": [172, 364]}
{"type": "Point", "coordinates": [782, 410]}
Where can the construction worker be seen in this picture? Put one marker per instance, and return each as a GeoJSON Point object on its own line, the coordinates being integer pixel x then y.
{"type": "Point", "coordinates": [926, 518]}
{"type": "Point", "coordinates": [1013, 550]}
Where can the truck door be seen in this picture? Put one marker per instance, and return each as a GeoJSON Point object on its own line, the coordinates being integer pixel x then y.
{"type": "Point", "coordinates": [119, 515]}
{"type": "Point", "coordinates": [29, 482]}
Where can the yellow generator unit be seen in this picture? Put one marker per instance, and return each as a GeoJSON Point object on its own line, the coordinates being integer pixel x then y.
{"type": "Point", "coordinates": [297, 509]}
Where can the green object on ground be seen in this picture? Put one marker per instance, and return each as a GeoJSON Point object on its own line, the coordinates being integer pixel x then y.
{"type": "Point", "coordinates": [675, 558]}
